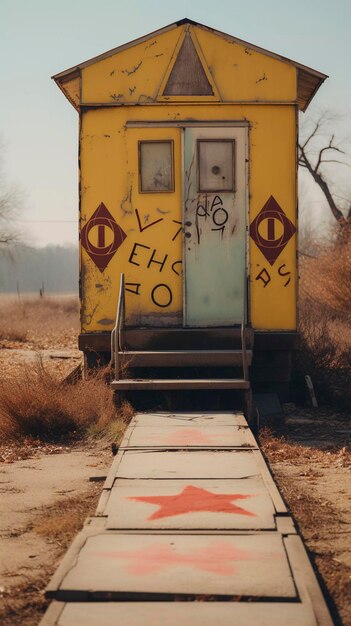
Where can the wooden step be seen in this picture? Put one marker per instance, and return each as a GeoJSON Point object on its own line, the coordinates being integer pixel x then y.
{"type": "Point", "coordinates": [184, 358]}
{"type": "Point", "coordinates": [185, 338]}
{"type": "Point", "coordinates": [175, 383]}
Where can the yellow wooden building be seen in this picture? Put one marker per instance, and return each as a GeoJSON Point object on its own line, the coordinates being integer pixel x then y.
{"type": "Point", "coordinates": [188, 188]}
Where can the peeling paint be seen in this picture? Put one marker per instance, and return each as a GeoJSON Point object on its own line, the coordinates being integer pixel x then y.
{"type": "Point", "coordinates": [105, 321]}
{"type": "Point", "coordinates": [264, 77]}
{"type": "Point", "coordinates": [162, 211]}
{"type": "Point", "coordinates": [143, 98]}
{"type": "Point", "coordinates": [126, 204]}
{"type": "Point", "coordinates": [133, 70]}
{"type": "Point", "coordinates": [149, 45]}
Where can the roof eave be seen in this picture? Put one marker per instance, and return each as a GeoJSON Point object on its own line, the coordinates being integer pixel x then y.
{"type": "Point", "coordinates": [75, 73]}
{"type": "Point", "coordinates": [70, 73]}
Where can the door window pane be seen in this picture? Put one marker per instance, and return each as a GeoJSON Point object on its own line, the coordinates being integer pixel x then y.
{"type": "Point", "coordinates": [156, 166]}
{"type": "Point", "coordinates": [216, 164]}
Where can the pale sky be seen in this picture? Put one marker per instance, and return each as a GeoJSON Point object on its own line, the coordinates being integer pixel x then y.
{"type": "Point", "coordinates": [39, 38]}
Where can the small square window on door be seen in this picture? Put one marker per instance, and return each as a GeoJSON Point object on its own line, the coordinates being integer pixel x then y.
{"type": "Point", "coordinates": [216, 163]}
{"type": "Point", "coordinates": [156, 167]}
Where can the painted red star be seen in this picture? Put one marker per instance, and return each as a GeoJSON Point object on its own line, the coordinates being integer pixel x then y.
{"type": "Point", "coordinates": [218, 557]}
{"type": "Point", "coordinates": [187, 437]}
{"type": "Point", "coordinates": [194, 499]}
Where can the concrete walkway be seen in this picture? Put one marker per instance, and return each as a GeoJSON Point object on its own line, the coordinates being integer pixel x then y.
{"type": "Point", "coordinates": [190, 528]}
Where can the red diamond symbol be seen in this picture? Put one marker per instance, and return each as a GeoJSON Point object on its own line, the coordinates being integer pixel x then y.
{"type": "Point", "coordinates": [271, 230]}
{"type": "Point", "coordinates": [98, 229]}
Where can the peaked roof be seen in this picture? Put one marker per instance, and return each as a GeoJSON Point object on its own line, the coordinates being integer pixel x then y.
{"type": "Point", "coordinates": [308, 79]}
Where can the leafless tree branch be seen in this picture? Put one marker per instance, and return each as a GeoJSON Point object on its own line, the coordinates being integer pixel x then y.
{"type": "Point", "coordinates": [313, 164]}
{"type": "Point", "coordinates": [10, 203]}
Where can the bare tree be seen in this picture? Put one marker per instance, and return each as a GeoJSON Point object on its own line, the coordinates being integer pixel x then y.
{"type": "Point", "coordinates": [317, 151]}
{"type": "Point", "coordinates": [10, 203]}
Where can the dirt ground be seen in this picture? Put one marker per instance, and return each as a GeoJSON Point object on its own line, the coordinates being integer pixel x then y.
{"type": "Point", "coordinates": [43, 507]}
{"type": "Point", "coordinates": [46, 496]}
{"type": "Point", "coordinates": [310, 457]}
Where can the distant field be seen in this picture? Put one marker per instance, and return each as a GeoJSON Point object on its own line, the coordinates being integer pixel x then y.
{"type": "Point", "coordinates": [31, 295]}
{"type": "Point", "coordinates": [39, 321]}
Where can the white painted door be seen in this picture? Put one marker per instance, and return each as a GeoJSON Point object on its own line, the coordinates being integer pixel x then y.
{"type": "Point", "coordinates": [215, 199]}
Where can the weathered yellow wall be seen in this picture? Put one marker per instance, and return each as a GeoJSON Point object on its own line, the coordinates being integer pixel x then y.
{"type": "Point", "coordinates": [240, 73]}
{"type": "Point", "coordinates": [272, 172]}
{"type": "Point", "coordinates": [109, 174]}
{"type": "Point", "coordinates": [109, 162]}
{"type": "Point", "coordinates": [133, 75]}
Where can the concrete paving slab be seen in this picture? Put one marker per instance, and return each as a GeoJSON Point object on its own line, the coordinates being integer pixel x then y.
{"type": "Point", "coordinates": [192, 436]}
{"type": "Point", "coordinates": [210, 418]}
{"type": "Point", "coordinates": [190, 505]}
{"type": "Point", "coordinates": [111, 565]}
{"type": "Point", "coordinates": [192, 464]}
{"type": "Point", "coordinates": [306, 580]}
{"type": "Point", "coordinates": [176, 613]}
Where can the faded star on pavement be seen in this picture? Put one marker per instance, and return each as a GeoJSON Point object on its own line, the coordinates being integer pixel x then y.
{"type": "Point", "coordinates": [218, 557]}
{"type": "Point", "coordinates": [194, 499]}
{"type": "Point", "coordinates": [185, 437]}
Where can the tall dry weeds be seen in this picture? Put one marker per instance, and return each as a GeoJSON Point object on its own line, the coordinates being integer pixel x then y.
{"type": "Point", "coordinates": [26, 317]}
{"type": "Point", "coordinates": [34, 403]}
{"type": "Point", "coordinates": [325, 329]}
{"type": "Point", "coordinates": [326, 279]}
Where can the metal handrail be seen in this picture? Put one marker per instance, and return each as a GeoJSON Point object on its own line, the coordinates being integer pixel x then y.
{"type": "Point", "coordinates": [122, 316]}
{"type": "Point", "coordinates": [243, 347]}
{"type": "Point", "coordinates": [116, 334]}
{"type": "Point", "coordinates": [243, 334]}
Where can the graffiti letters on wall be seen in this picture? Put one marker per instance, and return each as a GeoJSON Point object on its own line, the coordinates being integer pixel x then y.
{"type": "Point", "coordinates": [211, 210]}
{"type": "Point", "coordinates": [148, 257]}
{"type": "Point", "coordinates": [101, 237]}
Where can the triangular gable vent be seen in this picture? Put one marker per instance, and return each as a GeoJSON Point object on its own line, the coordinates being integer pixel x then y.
{"type": "Point", "coordinates": [188, 77]}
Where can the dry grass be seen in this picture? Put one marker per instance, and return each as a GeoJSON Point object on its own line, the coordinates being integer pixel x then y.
{"type": "Point", "coordinates": [35, 403]}
{"type": "Point", "coordinates": [282, 449]}
{"type": "Point", "coordinates": [62, 521]}
{"type": "Point", "coordinates": [327, 278]}
{"type": "Point", "coordinates": [25, 604]}
{"type": "Point", "coordinates": [23, 319]}
{"type": "Point", "coordinates": [318, 520]}
{"type": "Point", "coordinates": [325, 330]}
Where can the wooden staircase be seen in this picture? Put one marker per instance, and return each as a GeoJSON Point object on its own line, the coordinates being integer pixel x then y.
{"type": "Point", "coordinates": [137, 348]}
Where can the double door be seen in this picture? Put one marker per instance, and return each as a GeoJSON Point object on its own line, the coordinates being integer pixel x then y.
{"type": "Point", "coordinates": [190, 205]}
